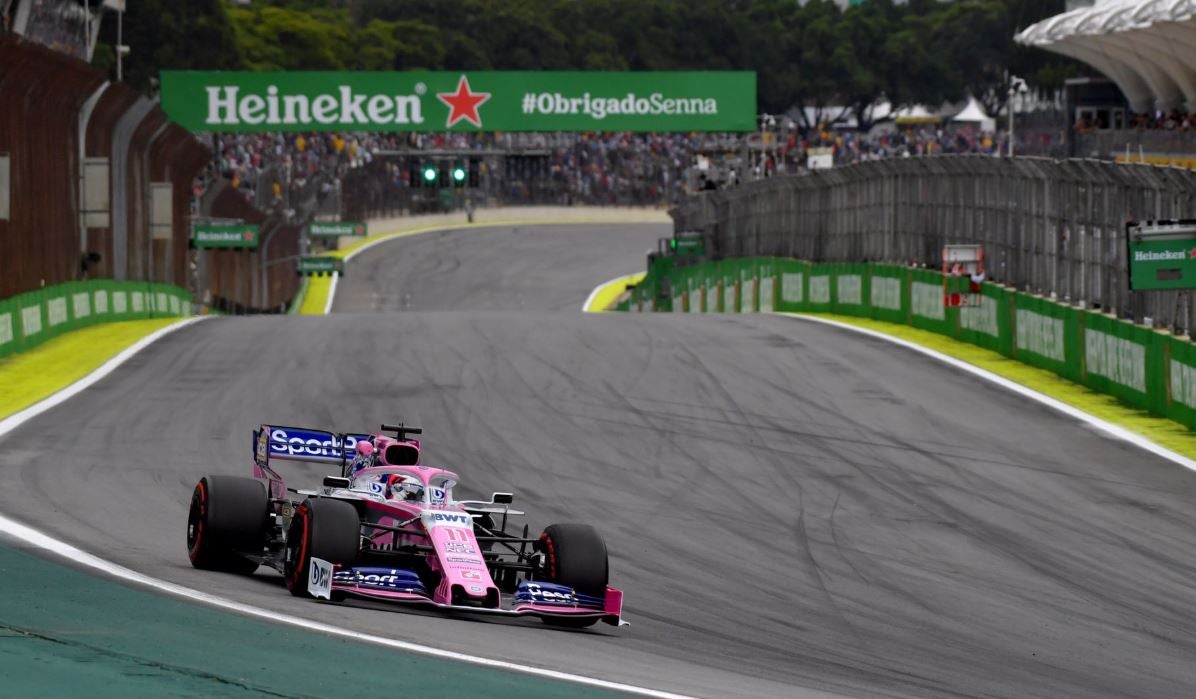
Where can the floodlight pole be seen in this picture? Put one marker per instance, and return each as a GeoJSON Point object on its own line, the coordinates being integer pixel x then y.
{"type": "Point", "coordinates": [121, 49]}
{"type": "Point", "coordinates": [1009, 105]}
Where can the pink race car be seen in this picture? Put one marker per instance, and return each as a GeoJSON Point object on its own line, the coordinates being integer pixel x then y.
{"type": "Point", "coordinates": [387, 528]}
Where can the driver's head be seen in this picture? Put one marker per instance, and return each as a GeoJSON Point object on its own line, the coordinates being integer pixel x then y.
{"type": "Point", "coordinates": [400, 487]}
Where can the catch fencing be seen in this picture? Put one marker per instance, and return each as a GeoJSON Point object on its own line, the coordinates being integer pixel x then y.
{"type": "Point", "coordinates": [1052, 228]}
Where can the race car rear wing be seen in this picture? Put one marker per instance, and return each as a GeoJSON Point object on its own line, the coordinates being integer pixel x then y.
{"type": "Point", "coordinates": [303, 444]}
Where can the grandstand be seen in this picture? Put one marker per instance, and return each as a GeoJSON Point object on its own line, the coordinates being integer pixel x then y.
{"type": "Point", "coordinates": [1147, 50]}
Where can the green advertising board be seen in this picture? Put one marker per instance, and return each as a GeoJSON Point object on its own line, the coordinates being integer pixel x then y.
{"type": "Point", "coordinates": [337, 228]}
{"type": "Point", "coordinates": [1161, 255]}
{"type": "Point", "coordinates": [455, 101]}
{"type": "Point", "coordinates": [693, 247]}
{"type": "Point", "coordinates": [225, 235]}
{"type": "Point", "coordinates": [321, 265]}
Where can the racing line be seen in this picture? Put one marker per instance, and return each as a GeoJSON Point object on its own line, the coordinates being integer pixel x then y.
{"type": "Point", "coordinates": [789, 506]}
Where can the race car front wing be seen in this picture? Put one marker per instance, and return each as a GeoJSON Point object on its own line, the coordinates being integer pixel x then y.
{"type": "Point", "coordinates": [537, 599]}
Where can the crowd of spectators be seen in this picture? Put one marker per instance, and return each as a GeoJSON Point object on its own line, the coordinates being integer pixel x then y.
{"type": "Point", "coordinates": [569, 168]}
{"type": "Point", "coordinates": [1173, 120]}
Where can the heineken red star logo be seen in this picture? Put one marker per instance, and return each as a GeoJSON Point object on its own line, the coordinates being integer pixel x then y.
{"type": "Point", "coordinates": [463, 104]}
{"type": "Point", "coordinates": [1192, 254]}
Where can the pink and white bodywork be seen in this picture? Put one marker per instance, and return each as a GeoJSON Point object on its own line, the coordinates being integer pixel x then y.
{"type": "Point", "coordinates": [416, 505]}
{"type": "Point", "coordinates": [418, 544]}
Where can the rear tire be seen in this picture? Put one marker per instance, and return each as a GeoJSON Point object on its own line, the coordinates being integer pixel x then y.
{"type": "Point", "coordinates": [227, 517]}
{"type": "Point", "coordinates": [321, 528]}
{"type": "Point", "coordinates": [575, 555]}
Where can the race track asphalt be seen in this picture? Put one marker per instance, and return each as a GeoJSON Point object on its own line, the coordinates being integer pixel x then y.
{"type": "Point", "coordinates": [788, 506]}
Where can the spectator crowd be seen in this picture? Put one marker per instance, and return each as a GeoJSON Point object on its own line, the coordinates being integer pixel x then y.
{"type": "Point", "coordinates": [272, 169]}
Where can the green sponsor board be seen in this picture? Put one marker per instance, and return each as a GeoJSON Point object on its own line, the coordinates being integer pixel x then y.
{"type": "Point", "coordinates": [455, 101]}
{"type": "Point", "coordinates": [337, 228]}
{"type": "Point", "coordinates": [31, 318]}
{"type": "Point", "coordinates": [1161, 255]}
{"type": "Point", "coordinates": [225, 235]}
{"type": "Point", "coordinates": [321, 265]}
{"type": "Point", "coordinates": [694, 247]}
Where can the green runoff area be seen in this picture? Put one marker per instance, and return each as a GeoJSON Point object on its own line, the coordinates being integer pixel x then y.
{"type": "Point", "coordinates": [66, 633]}
{"type": "Point", "coordinates": [1129, 375]}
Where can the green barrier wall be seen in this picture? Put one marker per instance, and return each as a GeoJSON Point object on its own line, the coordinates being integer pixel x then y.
{"type": "Point", "coordinates": [1142, 367]}
{"type": "Point", "coordinates": [29, 319]}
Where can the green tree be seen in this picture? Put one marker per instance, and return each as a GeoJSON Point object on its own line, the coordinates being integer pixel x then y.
{"type": "Point", "coordinates": [194, 35]}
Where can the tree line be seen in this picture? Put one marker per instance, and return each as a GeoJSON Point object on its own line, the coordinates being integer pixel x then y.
{"type": "Point", "coordinates": [835, 62]}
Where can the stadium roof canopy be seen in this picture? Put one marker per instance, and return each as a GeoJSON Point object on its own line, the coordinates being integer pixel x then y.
{"type": "Point", "coordinates": [1147, 47]}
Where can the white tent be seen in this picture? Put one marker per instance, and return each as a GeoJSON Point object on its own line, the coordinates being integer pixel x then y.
{"type": "Point", "coordinates": [916, 114]}
{"type": "Point", "coordinates": [974, 114]}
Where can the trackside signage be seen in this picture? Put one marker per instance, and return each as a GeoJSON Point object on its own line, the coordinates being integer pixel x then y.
{"type": "Point", "coordinates": [461, 101]}
{"type": "Point", "coordinates": [1039, 334]}
{"type": "Point", "coordinates": [849, 288]}
{"type": "Point", "coordinates": [225, 235]}
{"type": "Point", "coordinates": [981, 319]}
{"type": "Point", "coordinates": [337, 228]}
{"type": "Point", "coordinates": [1161, 255]}
{"type": "Point", "coordinates": [1117, 359]}
{"type": "Point", "coordinates": [1183, 383]}
{"type": "Point", "coordinates": [886, 293]}
{"type": "Point", "coordinates": [792, 287]}
{"type": "Point", "coordinates": [926, 300]}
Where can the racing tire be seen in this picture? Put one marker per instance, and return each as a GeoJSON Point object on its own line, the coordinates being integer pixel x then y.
{"type": "Point", "coordinates": [227, 517]}
{"type": "Point", "coordinates": [321, 528]}
{"type": "Point", "coordinates": [575, 555]}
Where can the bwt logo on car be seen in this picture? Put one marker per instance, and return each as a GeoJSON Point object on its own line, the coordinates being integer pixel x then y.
{"type": "Point", "coordinates": [308, 444]}
{"type": "Point", "coordinates": [452, 519]}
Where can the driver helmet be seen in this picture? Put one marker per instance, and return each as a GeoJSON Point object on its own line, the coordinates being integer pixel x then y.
{"type": "Point", "coordinates": [401, 487]}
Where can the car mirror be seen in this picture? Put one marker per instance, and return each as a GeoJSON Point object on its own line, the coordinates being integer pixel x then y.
{"type": "Point", "coordinates": [502, 498]}
{"type": "Point", "coordinates": [336, 482]}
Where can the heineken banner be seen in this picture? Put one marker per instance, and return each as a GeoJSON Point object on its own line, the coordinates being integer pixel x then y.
{"type": "Point", "coordinates": [453, 101]}
{"type": "Point", "coordinates": [1161, 255]}
{"type": "Point", "coordinates": [337, 228]}
{"type": "Point", "coordinates": [225, 235]}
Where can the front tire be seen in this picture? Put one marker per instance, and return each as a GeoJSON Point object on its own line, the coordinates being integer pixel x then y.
{"type": "Point", "coordinates": [321, 528]}
{"type": "Point", "coordinates": [227, 517]}
{"type": "Point", "coordinates": [575, 555]}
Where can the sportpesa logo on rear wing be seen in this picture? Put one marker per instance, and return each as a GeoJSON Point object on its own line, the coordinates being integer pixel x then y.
{"type": "Point", "coordinates": [303, 444]}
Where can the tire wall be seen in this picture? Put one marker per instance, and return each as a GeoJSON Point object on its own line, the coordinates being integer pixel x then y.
{"type": "Point", "coordinates": [1142, 367]}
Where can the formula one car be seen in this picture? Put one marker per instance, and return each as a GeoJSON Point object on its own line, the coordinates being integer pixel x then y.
{"type": "Point", "coordinates": [387, 528]}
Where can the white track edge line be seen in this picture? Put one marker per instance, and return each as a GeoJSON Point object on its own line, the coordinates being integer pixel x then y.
{"type": "Point", "coordinates": [1112, 429]}
{"type": "Point", "coordinates": [76, 555]}
{"type": "Point", "coordinates": [331, 293]}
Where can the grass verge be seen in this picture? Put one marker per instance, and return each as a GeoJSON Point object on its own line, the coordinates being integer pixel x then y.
{"type": "Point", "coordinates": [29, 377]}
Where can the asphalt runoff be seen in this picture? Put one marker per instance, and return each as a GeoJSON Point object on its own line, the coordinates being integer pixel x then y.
{"type": "Point", "coordinates": [789, 507]}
